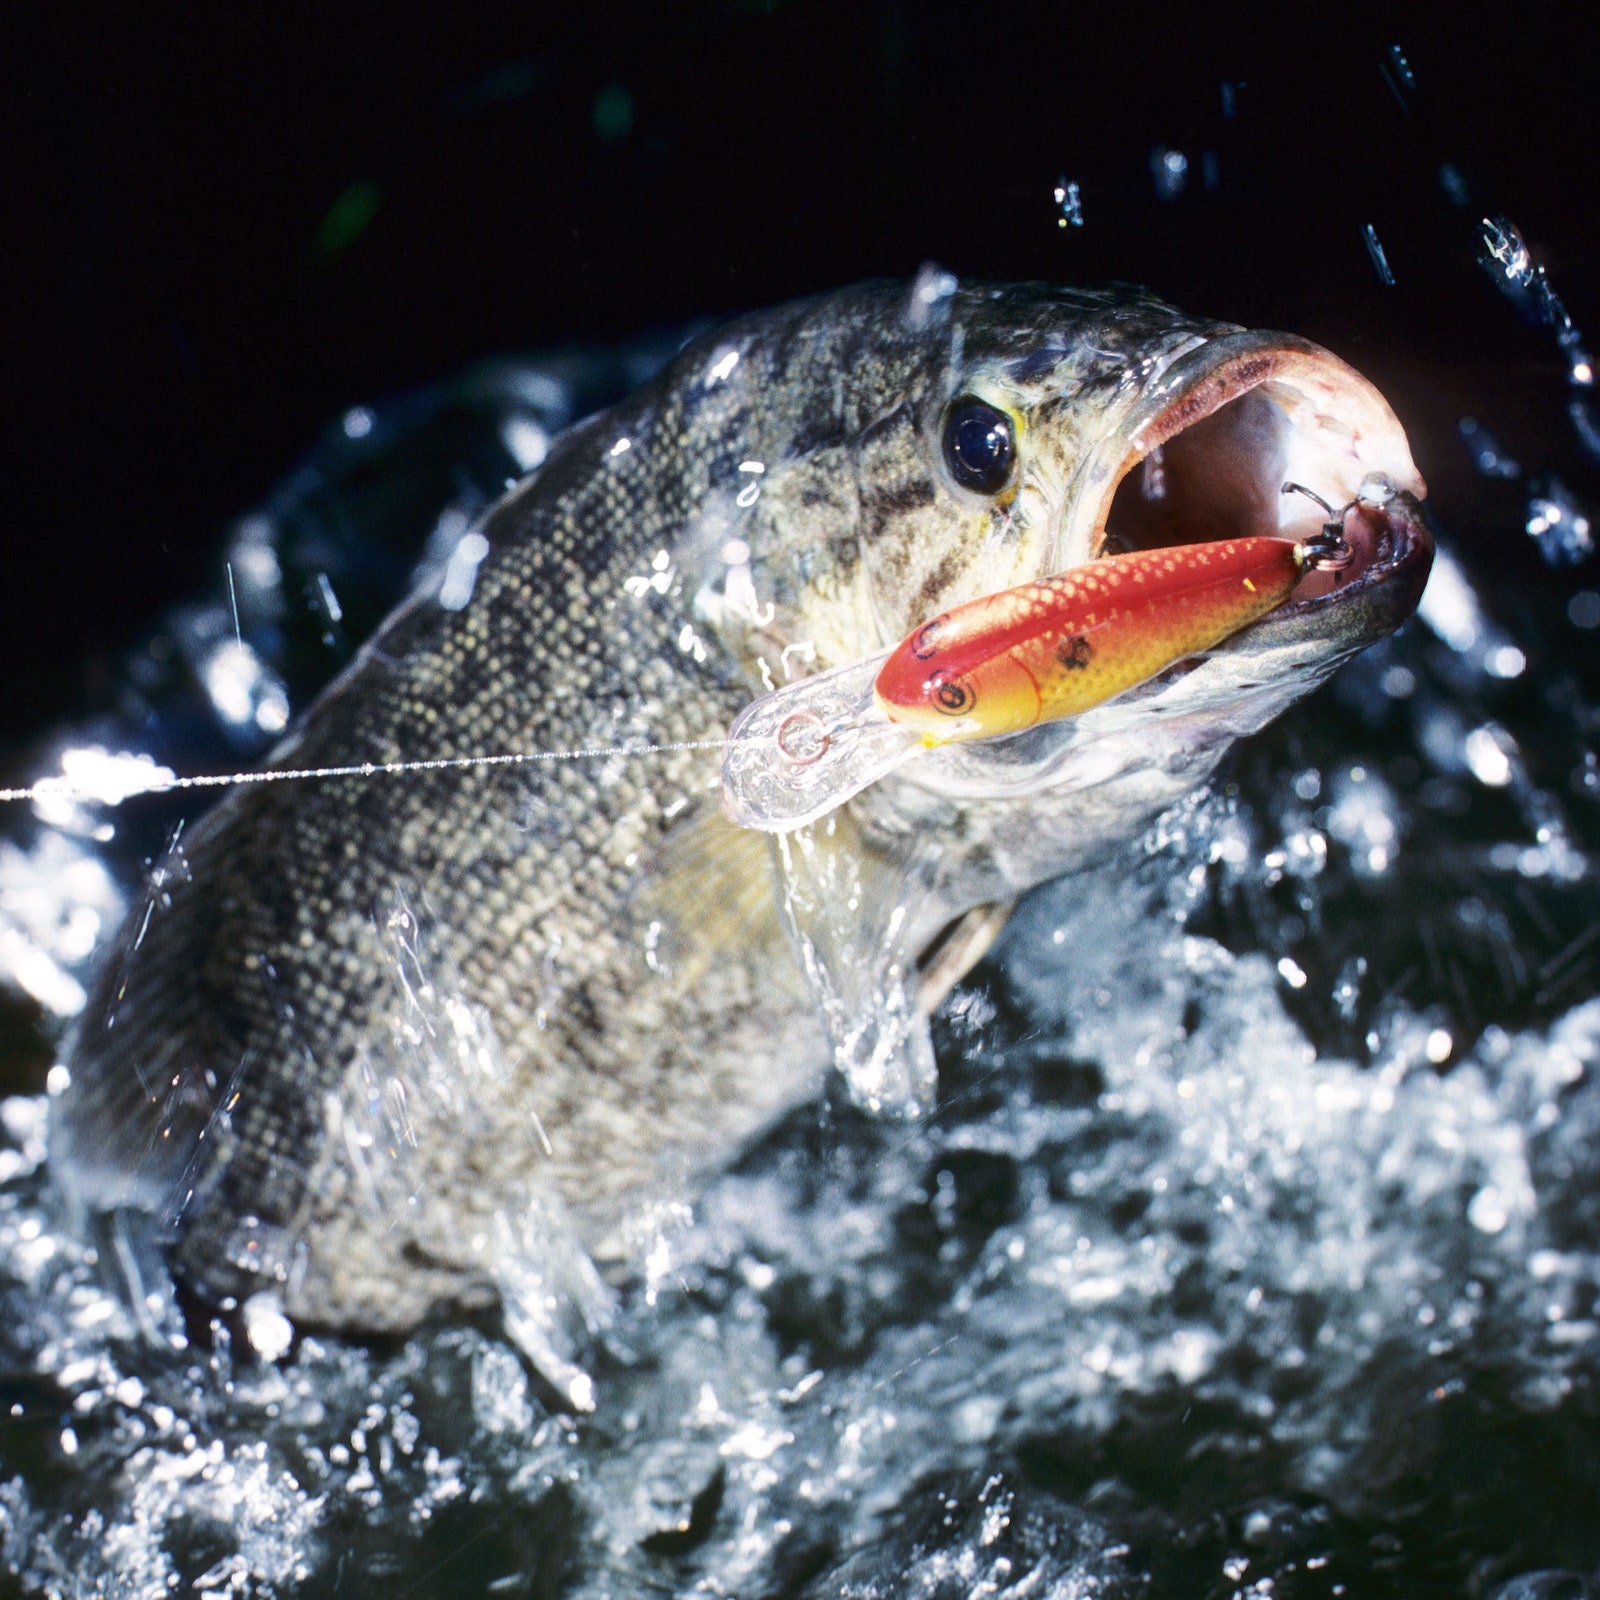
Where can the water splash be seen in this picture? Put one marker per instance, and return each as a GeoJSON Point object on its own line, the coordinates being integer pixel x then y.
{"type": "Point", "coordinates": [1256, 1209]}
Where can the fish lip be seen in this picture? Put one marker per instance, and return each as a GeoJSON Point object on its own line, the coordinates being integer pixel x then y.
{"type": "Point", "coordinates": [1346, 434]}
{"type": "Point", "coordinates": [1402, 566]}
{"type": "Point", "coordinates": [1208, 376]}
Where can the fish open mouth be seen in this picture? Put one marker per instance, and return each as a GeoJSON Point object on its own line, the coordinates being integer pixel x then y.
{"type": "Point", "coordinates": [1208, 452]}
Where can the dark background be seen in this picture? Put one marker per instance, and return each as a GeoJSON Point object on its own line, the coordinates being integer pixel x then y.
{"type": "Point", "coordinates": [225, 224]}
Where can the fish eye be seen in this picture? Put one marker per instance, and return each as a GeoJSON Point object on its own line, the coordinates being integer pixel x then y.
{"type": "Point", "coordinates": [980, 444]}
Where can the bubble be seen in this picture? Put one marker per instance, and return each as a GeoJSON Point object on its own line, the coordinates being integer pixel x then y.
{"type": "Point", "coordinates": [1170, 169]}
{"type": "Point", "coordinates": [1556, 522]}
{"type": "Point", "coordinates": [1397, 71]}
{"type": "Point", "coordinates": [1364, 817]}
{"type": "Point", "coordinates": [461, 571]}
{"type": "Point", "coordinates": [1069, 204]}
{"type": "Point", "coordinates": [1488, 753]}
{"type": "Point", "coordinates": [1583, 609]}
{"type": "Point", "coordinates": [1377, 256]}
{"type": "Point", "coordinates": [1488, 456]}
{"type": "Point", "coordinates": [1487, 1212]}
{"type": "Point", "coordinates": [1504, 255]}
{"type": "Point", "coordinates": [1399, 683]}
{"type": "Point", "coordinates": [269, 1332]}
{"type": "Point", "coordinates": [526, 442]}
{"type": "Point", "coordinates": [1454, 185]}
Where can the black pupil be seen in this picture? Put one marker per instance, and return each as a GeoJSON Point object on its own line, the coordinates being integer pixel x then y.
{"type": "Point", "coordinates": [978, 446]}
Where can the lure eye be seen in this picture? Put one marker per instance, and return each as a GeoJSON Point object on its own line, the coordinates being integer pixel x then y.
{"type": "Point", "coordinates": [980, 446]}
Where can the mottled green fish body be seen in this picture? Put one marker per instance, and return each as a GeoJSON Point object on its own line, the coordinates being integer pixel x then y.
{"type": "Point", "coordinates": [394, 1048]}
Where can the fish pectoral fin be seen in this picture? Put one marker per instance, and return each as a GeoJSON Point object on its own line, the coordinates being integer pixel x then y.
{"type": "Point", "coordinates": [707, 894]}
{"type": "Point", "coordinates": [957, 950]}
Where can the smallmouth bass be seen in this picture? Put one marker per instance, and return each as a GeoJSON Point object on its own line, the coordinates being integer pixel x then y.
{"type": "Point", "coordinates": [392, 1050]}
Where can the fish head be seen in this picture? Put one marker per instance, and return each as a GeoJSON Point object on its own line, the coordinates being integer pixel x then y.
{"type": "Point", "coordinates": [1003, 434]}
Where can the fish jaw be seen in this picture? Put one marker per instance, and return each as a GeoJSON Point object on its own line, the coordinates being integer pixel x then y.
{"type": "Point", "coordinates": [1228, 428]}
{"type": "Point", "coordinates": [1292, 406]}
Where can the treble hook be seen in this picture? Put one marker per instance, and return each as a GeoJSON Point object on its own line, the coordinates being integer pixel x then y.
{"type": "Point", "coordinates": [1329, 550]}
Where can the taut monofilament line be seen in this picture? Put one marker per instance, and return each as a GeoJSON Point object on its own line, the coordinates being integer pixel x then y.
{"type": "Point", "coordinates": [161, 781]}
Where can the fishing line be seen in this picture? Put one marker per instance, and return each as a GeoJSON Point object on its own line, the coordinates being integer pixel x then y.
{"type": "Point", "coordinates": [160, 781]}
{"type": "Point", "coordinates": [126, 784]}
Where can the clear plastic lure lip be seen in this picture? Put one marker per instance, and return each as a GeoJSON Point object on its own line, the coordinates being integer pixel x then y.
{"type": "Point", "coordinates": [798, 753]}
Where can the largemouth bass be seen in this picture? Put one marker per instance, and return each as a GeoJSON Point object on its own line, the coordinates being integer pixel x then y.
{"type": "Point", "coordinates": [384, 1050]}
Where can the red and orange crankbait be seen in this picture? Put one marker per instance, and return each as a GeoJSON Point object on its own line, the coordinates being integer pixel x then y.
{"type": "Point", "coordinates": [999, 664]}
{"type": "Point", "coordinates": [1057, 647]}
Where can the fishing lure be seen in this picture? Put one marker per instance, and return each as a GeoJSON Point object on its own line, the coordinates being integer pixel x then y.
{"type": "Point", "coordinates": [1057, 647]}
{"type": "Point", "coordinates": [1002, 663]}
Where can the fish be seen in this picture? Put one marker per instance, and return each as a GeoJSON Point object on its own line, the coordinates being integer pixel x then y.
{"type": "Point", "coordinates": [378, 1052]}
